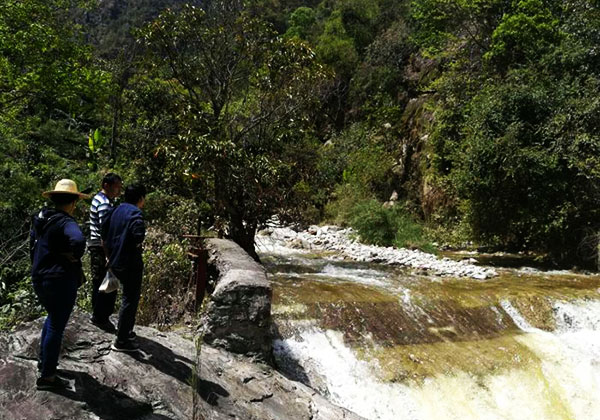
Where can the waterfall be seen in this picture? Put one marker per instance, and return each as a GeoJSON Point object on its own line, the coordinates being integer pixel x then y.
{"type": "Point", "coordinates": [388, 344]}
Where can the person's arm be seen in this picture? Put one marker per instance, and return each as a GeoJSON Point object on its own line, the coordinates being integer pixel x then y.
{"type": "Point", "coordinates": [138, 230]}
{"type": "Point", "coordinates": [75, 238]}
{"type": "Point", "coordinates": [103, 209]}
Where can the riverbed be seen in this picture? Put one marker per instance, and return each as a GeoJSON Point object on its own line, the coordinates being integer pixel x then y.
{"type": "Point", "coordinates": [391, 342]}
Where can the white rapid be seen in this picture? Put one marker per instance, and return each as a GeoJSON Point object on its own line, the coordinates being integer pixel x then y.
{"type": "Point", "coordinates": [514, 365]}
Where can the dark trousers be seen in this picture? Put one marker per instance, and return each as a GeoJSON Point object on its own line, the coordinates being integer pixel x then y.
{"type": "Point", "coordinates": [57, 296]}
{"type": "Point", "coordinates": [131, 279]}
{"type": "Point", "coordinates": [103, 304]}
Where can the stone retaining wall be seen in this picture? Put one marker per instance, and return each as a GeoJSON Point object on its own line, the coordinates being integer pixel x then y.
{"type": "Point", "coordinates": [237, 316]}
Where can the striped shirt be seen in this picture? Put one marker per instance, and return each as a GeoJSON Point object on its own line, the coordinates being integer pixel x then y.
{"type": "Point", "coordinates": [101, 204]}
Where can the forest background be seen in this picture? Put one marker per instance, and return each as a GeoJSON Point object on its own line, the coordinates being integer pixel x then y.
{"type": "Point", "coordinates": [482, 117]}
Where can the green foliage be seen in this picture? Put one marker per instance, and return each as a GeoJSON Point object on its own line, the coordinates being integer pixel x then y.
{"type": "Point", "coordinates": [241, 100]}
{"type": "Point", "coordinates": [359, 18]}
{"type": "Point", "coordinates": [301, 22]}
{"type": "Point", "coordinates": [387, 226]}
{"type": "Point", "coordinates": [18, 302]}
{"type": "Point", "coordinates": [362, 165]}
{"type": "Point", "coordinates": [175, 215]}
{"type": "Point", "coordinates": [373, 223]}
{"type": "Point", "coordinates": [44, 66]}
{"type": "Point", "coordinates": [336, 48]}
{"type": "Point", "coordinates": [377, 83]}
{"type": "Point", "coordinates": [513, 135]}
{"type": "Point", "coordinates": [523, 36]}
{"type": "Point", "coordinates": [443, 26]}
{"type": "Point", "coordinates": [167, 296]}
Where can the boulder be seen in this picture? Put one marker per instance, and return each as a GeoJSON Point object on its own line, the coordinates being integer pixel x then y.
{"type": "Point", "coordinates": [237, 316]}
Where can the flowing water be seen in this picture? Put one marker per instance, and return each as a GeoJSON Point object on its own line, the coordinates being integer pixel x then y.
{"type": "Point", "coordinates": [389, 344]}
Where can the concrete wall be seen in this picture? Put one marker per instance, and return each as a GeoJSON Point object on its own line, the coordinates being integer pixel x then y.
{"type": "Point", "coordinates": [237, 316]}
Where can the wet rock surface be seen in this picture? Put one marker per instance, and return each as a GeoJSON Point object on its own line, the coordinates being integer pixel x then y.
{"type": "Point", "coordinates": [341, 243]}
{"type": "Point", "coordinates": [163, 381]}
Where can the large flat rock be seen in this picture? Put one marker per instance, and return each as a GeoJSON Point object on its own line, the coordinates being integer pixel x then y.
{"type": "Point", "coordinates": [163, 381]}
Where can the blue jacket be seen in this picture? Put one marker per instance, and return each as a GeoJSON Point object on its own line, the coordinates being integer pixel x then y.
{"type": "Point", "coordinates": [123, 232]}
{"type": "Point", "coordinates": [56, 246]}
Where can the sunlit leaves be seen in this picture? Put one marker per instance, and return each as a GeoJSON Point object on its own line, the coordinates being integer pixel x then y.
{"type": "Point", "coordinates": [243, 94]}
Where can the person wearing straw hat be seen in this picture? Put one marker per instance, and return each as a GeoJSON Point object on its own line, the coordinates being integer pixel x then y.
{"type": "Point", "coordinates": [56, 245]}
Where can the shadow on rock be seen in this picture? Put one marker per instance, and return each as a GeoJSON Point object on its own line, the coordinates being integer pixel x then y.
{"type": "Point", "coordinates": [285, 362]}
{"type": "Point", "coordinates": [209, 391]}
{"type": "Point", "coordinates": [104, 401]}
{"type": "Point", "coordinates": [165, 360]}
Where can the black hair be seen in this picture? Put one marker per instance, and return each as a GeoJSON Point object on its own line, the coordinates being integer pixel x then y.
{"type": "Point", "coordinates": [61, 199]}
{"type": "Point", "coordinates": [111, 178]}
{"type": "Point", "coordinates": [134, 193]}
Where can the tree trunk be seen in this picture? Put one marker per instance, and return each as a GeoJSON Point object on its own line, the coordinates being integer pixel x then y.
{"type": "Point", "coordinates": [243, 235]}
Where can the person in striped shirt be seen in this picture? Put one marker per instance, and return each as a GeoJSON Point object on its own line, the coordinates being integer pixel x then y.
{"type": "Point", "coordinates": [103, 304]}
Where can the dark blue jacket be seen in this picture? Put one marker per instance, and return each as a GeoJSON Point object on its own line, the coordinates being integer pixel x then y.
{"type": "Point", "coordinates": [122, 234]}
{"type": "Point", "coordinates": [56, 246]}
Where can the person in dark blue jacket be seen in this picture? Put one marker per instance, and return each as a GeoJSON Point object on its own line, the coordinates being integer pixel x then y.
{"type": "Point", "coordinates": [56, 245]}
{"type": "Point", "coordinates": [122, 234]}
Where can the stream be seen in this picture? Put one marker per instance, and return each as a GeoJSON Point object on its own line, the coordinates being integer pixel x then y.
{"type": "Point", "coordinates": [389, 343]}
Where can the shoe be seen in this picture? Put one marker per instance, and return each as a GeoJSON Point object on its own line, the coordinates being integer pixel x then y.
{"type": "Point", "coordinates": [57, 383]}
{"type": "Point", "coordinates": [39, 368]}
{"type": "Point", "coordinates": [125, 346]}
{"type": "Point", "coordinates": [104, 325]}
{"type": "Point", "coordinates": [132, 335]}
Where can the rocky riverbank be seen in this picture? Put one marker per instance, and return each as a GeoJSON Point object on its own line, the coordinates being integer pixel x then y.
{"type": "Point", "coordinates": [342, 243]}
{"type": "Point", "coordinates": [167, 380]}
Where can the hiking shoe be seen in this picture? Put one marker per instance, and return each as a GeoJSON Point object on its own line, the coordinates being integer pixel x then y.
{"type": "Point", "coordinates": [106, 326]}
{"type": "Point", "coordinates": [57, 383]}
{"type": "Point", "coordinates": [58, 371]}
{"type": "Point", "coordinates": [125, 346]}
{"type": "Point", "coordinates": [132, 335]}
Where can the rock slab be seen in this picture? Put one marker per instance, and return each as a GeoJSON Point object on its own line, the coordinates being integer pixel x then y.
{"type": "Point", "coordinates": [170, 379]}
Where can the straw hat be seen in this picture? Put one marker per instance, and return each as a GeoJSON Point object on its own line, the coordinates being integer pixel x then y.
{"type": "Point", "coordinates": [65, 186]}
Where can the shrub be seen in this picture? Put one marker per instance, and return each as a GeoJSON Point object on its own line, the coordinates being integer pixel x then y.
{"type": "Point", "coordinates": [166, 298]}
{"type": "Point", "coordinates": [18, 302]}
{"type": "Point", "coordinates": [391, 226]}
{"type": "Point", "coordinates": [373, 223]}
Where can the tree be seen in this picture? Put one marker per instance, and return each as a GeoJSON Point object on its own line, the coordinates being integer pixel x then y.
{"type": "Point", "coordinates": [242, 97]}
{"type": "Point", "coordinates": [45, 69]}
{"type": "Point", "coordinates": [51, 95]}
{"type": "Point", "coordinates": [513, 137]}
{"type": "Point", "coordinates": [301, 22]}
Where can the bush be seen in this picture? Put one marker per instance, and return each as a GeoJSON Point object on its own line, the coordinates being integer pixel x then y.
{"type": "Point", "coordinates": [373, 223]}
{"type": "Point", "coordinates": [18, 302]}
{"type": "Point", "coordinates": [388, 226]}
{"type": "Point", "coordinates": [174, 214]}
{"type": "Point", "coordinates": [166, 298]}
